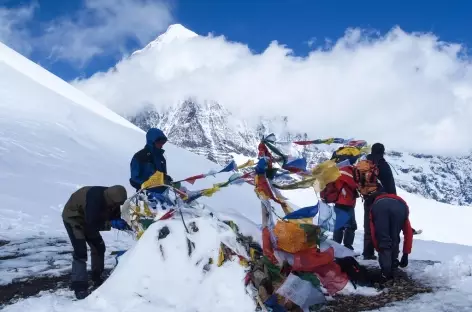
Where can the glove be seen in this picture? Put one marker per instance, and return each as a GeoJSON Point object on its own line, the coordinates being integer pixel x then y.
{"type": "Point", "coordinates": [119, 224]}
{"type": "Point", "coordinates": [177, 185]}
{"type": "Point", "coordinates": [404, 261]}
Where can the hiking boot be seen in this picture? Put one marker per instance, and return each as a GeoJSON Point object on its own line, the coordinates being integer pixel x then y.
{"type": "Point", "coordinates": [386, 281]}
{"type": "Point", "coordinates": [97, 279]}
{"type": "Point", "coordinates": [97, 283]}
{"type": "Point", "coordinates": [370, 257]}
{"type": "Point", "coordinates": [81, 294]}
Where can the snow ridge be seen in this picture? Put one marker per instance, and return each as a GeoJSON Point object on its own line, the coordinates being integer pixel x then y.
{"type": "Point", "coordinates": [16, 61]}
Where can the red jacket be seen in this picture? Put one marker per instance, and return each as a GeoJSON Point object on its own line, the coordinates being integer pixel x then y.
{"type": "Point", "coordinates": [344, 189]}
{"type": "Point", "coordinates": [407, 230]}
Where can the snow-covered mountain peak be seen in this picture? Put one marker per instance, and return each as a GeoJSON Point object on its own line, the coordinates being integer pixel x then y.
{"type": "Point", "coordinates": [178, 31]}
{"type": "Point", "coordinates": [205, 128]}
{"type": "Point", "coordinates": [173, 32]}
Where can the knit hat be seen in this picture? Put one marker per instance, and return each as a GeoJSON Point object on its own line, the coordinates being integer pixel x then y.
{"type": "Point", "coordinates": [116, 195]}
{"type": "Point", "coordinates": [378, 149]}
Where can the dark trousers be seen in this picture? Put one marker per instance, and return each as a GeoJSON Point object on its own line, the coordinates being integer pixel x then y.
{"type": "Point", "coordinates": [368, 244]}
{"type": "Point", "coordinates": [79, 239]}
{"type": "Point", "coordinates": [388, 223]}
{"type": "Point", "coordinates": [345, 235]}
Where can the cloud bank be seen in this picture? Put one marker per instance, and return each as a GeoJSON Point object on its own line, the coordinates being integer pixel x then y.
{"type": "Point", "coordinates": [100, 27]}
{"type": "Point", "coordinates": [408, 90]}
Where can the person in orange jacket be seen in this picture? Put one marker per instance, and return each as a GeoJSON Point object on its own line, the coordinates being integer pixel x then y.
{"type": "Point", "coordinates": [343, 193]}
{"type": "Point", "coordinates": [389, 215]}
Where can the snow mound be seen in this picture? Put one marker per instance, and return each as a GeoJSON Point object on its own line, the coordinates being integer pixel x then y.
{"type": "Point", "coordinates": [157, 274]}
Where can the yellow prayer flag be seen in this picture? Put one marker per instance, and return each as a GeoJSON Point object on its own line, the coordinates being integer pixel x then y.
{"type": "Point", "coordinates": [157, 179]}
{"type": "Point", "coordinates": [210, 191]}
{"type": "Point", "coordinates": [325, 173]}
{"type": "Point", "coordinates": [248, 163]}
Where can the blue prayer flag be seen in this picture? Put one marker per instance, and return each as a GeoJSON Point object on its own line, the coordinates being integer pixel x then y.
{"type": "Point", "coordinates": [230, 167]}
{"type": "Point", "coordinates": [302, 213]}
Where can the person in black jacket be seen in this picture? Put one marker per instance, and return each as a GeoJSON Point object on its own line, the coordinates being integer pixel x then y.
{"type": "Point", "coordinates": [386, 185]}
{"type": "Point", "coordinates": [88, 211]}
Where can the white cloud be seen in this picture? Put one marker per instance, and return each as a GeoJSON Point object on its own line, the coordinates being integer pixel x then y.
{"type": "Point", "coordinates": [104, 26]}
{"type": "Point", "coordinates": [311, 42]}
{"type": "Point", "coordinates": [101, 27]}
{"type": "Point", "coordinates": [409, 91]}
{"type": "Point", "coordinates": [12, 31]}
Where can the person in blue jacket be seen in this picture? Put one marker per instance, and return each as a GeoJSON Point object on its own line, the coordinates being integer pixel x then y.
{"type": "Point", "coordinates": [149, 160]}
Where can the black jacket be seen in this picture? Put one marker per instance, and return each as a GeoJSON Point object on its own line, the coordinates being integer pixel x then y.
{"type": "Point", "coordinates": [385, 174]}
{"type": "Point", "coordinates": [97, 212]}
{"type": "Point", "coordinates": [88, 208]}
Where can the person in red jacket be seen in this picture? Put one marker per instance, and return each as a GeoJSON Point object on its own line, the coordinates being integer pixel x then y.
{"type": "Point", "coordinates": [389, 215]}
{"type": "Point", "coordinates": [343, 193]}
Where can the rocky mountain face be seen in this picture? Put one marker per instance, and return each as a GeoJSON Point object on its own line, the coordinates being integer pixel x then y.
{"type": "Point", "coordinates": [445, 179]}
{"type": "Point", "coordinates": [208, 129]}
{"type": "Point", "coordinates": [205, 129]}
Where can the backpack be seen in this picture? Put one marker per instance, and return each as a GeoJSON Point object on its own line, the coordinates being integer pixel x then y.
{"type": "Point", "coordinates": [330, 193]}
{"type": "Point", "coordinates": [365, 174]}
{"type": "Point", "coordinates": [357, 274]}
{"type": "Point", "coordinates": [346, 153]}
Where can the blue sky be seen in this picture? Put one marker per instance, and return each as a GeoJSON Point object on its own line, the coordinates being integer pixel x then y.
{"type": "Point", "coordinates": [255, 23]}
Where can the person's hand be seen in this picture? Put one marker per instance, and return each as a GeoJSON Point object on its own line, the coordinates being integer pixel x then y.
{"type": "Point", "coordinates": [404, 261]}
{"type": "Point", "coordinates": [168, 179]}
{"type": "Point", "coordinates": [119, 224]}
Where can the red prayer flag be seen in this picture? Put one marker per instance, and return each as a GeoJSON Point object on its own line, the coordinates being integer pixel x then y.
{"type": "Point", "coordinates": [303, 142]}
{"type": "Point", "coordinates": [192, 180]}
{"type": "Point", "coordinates": [331, 276]}
{"type": "Point", "coordinates": [267, 248]}
{"type": "Point", "coordinates": [309, 259]}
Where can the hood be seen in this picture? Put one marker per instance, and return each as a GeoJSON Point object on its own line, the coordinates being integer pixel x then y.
{"type": "Point", "coordinates": [347, 169]}
{"type": "Point", "coordinates": [347, 176]}
{"type": "Point", "coordinates": [115, 195]}
{"type": "Point", "coordinates": [152, 135]}
{"type": "Point", "coordinates": [378, 149]}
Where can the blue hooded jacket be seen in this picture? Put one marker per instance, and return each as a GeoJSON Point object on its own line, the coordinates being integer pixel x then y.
{"type": "Point", "coordinates": [148, 160]}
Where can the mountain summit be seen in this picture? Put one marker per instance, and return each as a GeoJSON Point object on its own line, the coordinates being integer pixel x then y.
{"type": "Point", "coordinates": [173, 32]}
